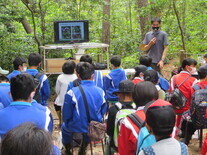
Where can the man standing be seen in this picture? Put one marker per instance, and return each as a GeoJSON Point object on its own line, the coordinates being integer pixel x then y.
{"type": "Point", "coordinates": [155, 44]}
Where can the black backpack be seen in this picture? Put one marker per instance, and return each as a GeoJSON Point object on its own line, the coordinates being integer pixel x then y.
{"type": "Point", "coordinates": [37, 84]}
{"type": "Point", "coordinates": [199, 107]}
{"type": "Point", "coordinates": [176, 97]}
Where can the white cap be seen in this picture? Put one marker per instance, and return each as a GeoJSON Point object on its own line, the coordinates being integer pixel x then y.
{"type": "Point", "coordinates": [2, 71]}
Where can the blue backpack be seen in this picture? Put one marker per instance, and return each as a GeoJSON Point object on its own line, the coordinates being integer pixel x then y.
{"type": "Point", "coordinates": [145, 139]}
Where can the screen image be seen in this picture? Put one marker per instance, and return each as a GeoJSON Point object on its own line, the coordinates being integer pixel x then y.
{"type": "Point", "coordinates": [71, 31]}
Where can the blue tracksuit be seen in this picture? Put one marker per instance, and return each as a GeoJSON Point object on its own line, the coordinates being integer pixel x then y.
{"type": "Point", "coordinates": [111, 83]}
{"type": "Point", "coordinates": [74, 113]}
{"type": "Point", "coordinates": [13, 74]}
{"type": "Point", "coordinates": [98, 80]}
{"type": "Point", "coordinates": [44, 86]}
{"type": "Point", "coordinates": [21, 112]}
{"type": "Point", "coordinates": [5, 97]}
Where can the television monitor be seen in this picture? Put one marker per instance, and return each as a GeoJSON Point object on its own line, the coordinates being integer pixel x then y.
{"type": "Point", "coordinates": [71, 31]}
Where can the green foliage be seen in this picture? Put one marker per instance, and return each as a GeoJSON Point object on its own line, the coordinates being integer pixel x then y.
{"type": "Point", "coordinates": [125, 30]}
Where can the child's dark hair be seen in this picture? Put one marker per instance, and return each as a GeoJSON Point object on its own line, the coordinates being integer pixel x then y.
{"type": "Point", "coordinates": [34, 59]}
{"type": "Point", "coordinates": [116, 61]}
{"type": "Point", "coordinates": [145, 60]}
{"type": "Point", "coordinates": [187, 62]}
{"type": "Point", "coordinates": [155, 19]}
{"type": "Point", "coordinates": [86, 58]}
{"type": "Point", "coordinates": [68, 67]}
{"type": "Point", "coordinates": [21, 86]}
{"type": "Point", "coordinates": [202, 72]}
{"type": "Point", "coordinates": [161, 119]}
{"type": "Point", "coordinates": [152, 76]}
{"type": "Point", "coordinates": [139, 69]}
{"type": "Point", "coordinates": [27, 139]}
{"type": "Point", "coordinates": [3, 78]}
{"type": "Point", "coordinates": [144, 92]}
{"type": "Point", "coordinates": [18, 61]}
{"type": "Point", "coordinates": [85, 71]}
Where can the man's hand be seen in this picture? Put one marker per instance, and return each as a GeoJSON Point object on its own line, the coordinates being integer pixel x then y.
{"type": "Point", "coordinates": [152, 41]}
{"type": "Point", "coordinates": [160, 63]}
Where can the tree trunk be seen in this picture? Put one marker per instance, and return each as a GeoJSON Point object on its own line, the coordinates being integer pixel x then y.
{"type": "Point", "coordinates": [182, 54]}
{"type": "Point", "coordinates": [34, 24]}
{"type": "Point", "coordinates": [26, 25]}
{"type": "Point", "coordinates": [106, 23]}
{"type": "Point", "coordinates": [143, 18]}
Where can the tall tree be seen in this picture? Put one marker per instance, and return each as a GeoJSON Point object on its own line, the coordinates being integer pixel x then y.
{"type": "Point", "coordinates": [143, 17]}
{"type": "Point", "coordinates": [183, 51]}
{"type": "Point", "coordinates": [106, 22]}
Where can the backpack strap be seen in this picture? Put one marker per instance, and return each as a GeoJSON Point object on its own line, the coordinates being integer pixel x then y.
{"type": "Point", "coordinates": [38, 75]}
{"type": "Point", "coordinates": [136, 119]}
{"type": "Point", "coordinates": [149, 150]}
{"type": "Point", "coordinates": [76, 82]}
{"type": "Point", "coordinates": [177, 86]}
{"type": "Point", "coordinates": [85, 103]}
{"type": "Point", "coordinates": [147, 106]}
{"type": "Point", "coordinates": [183, 148]}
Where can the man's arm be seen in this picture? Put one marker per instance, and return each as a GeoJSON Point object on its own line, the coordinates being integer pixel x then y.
{"type": "Point", "coordinates": [161, 62]}
{"type": "Point", "coordinates": [146, 47]}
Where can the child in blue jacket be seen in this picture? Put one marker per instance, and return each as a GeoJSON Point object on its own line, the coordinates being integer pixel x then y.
{"type": "Point", "coordinates": [112, 80]}
{"type": "Point", "coordinates": [5, 98]}
{"type": "Point", "coordinates": [34, 62]}
{"type": "Point", "coordinates": [74, 111]}
{"type": "Point", "coordinates": [22, 110]}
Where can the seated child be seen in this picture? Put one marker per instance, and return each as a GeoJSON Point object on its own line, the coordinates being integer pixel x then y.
{"type": "Point", "coordinates": [139, 74]}
{"type": "Point", "coordinates": [19, 66]}
{"type": "Point", "coordinates": [152, 76]}
{"type": "Point", "coordinates": [28, 139]}
{"type": "Point", "coordinates": [125, 105]}
{"type": "Point", "coordinates": [160, 121]}
{"type": "Point", "coordinates": [147, 61]}
{"type": "Point", "coordinates": [5, 98]}
{"type": "Point", "coordinates": [62, 82]}
{"type": "Point", "coordinates": [112, 80]}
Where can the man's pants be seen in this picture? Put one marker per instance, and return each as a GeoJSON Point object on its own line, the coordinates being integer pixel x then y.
{"type": "Point", "coordinates": [155, 67]}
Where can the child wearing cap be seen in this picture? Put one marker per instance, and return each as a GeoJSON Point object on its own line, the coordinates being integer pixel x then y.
{"type": "Point", "coordinates": [112, 80]}
{"type": "Point", "coordinates": [139, 74]}
{"type": "Point", "coordinates": [124, 94]}
{"type": "Point", "coordinates": [160, 121]}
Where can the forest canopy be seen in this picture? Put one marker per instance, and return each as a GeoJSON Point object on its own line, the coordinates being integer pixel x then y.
{"type": "Point", "coordinates": [27, 24]}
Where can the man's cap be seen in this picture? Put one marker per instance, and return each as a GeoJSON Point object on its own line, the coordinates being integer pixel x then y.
{"type": "Point", "coordinates": [2, 71]}
{"type": "Point", "coordinates": [125, 86]}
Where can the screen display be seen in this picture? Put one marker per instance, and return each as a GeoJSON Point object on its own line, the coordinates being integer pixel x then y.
{"type": "Point", "coordinates": [71, 31]}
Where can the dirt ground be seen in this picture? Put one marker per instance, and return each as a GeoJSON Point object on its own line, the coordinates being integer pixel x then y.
{"type": "Point", "coordinates": [97, 150]}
